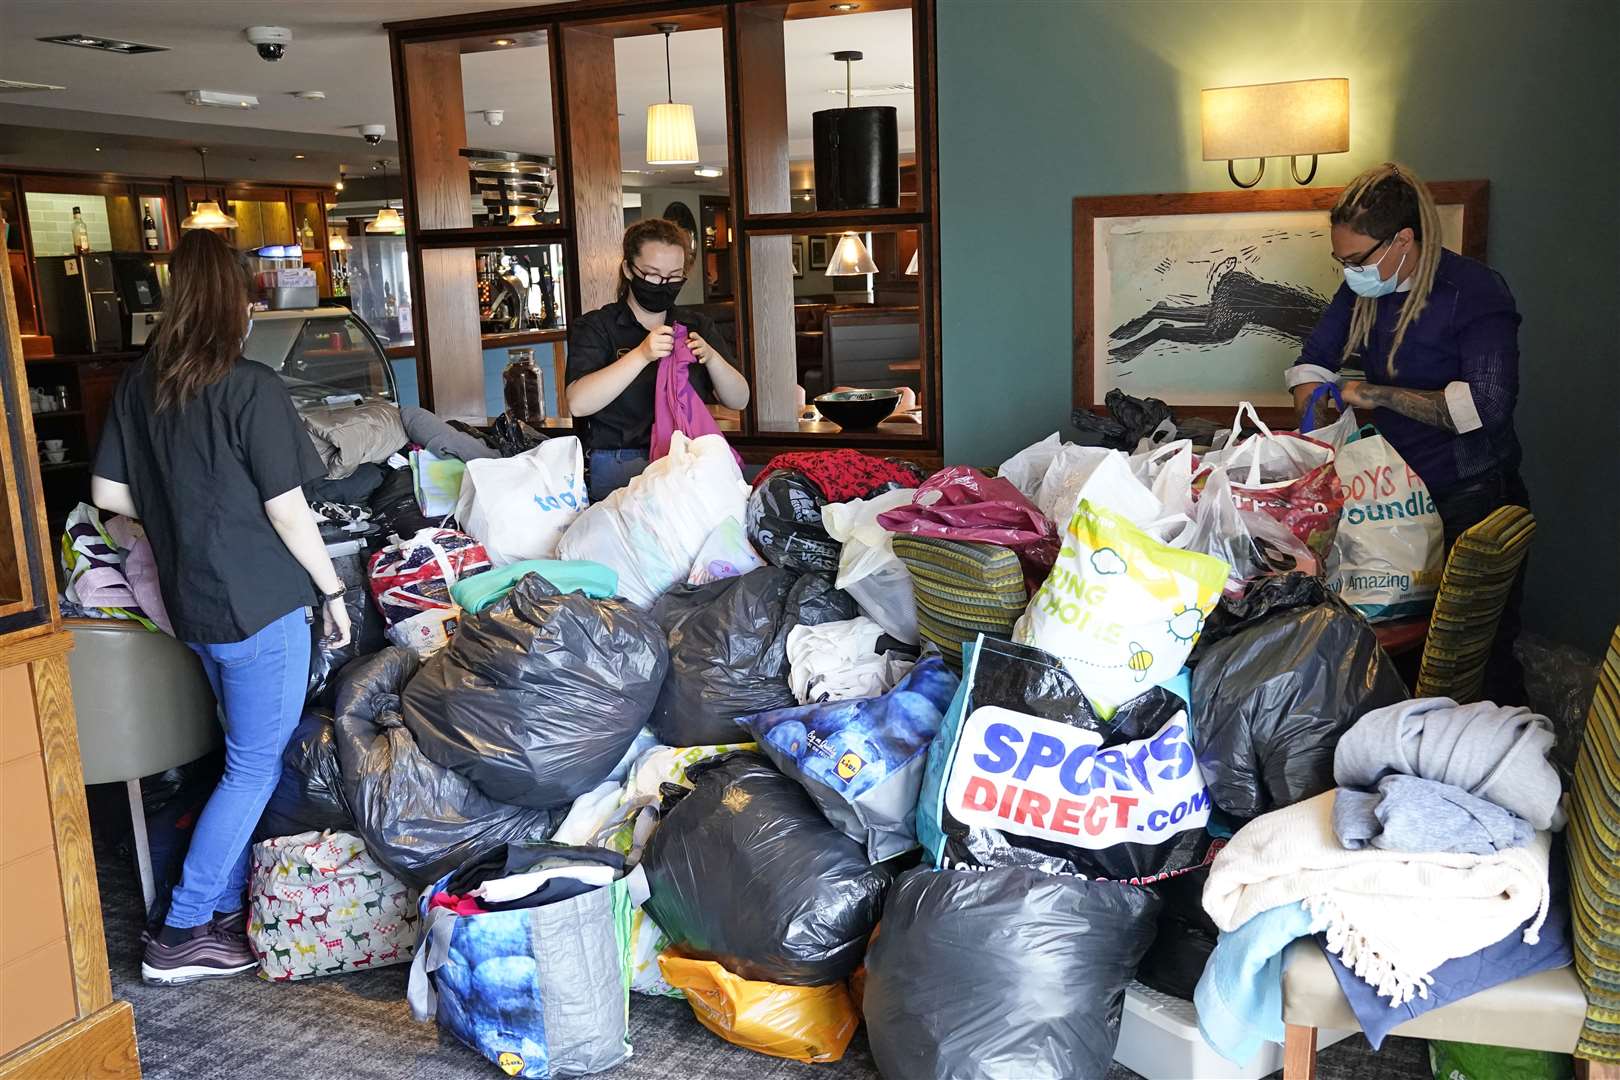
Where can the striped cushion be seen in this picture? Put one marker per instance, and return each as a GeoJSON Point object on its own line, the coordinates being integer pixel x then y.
{"type": "Point", "coordinates": [1594, 865]}
{"type": "Point", "coordinates": [962, 590]}
{"type": "Point", "coordinates": [1479, 574]}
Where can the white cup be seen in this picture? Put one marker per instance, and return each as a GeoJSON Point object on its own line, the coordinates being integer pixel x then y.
{"type": "Point", "coordinates": [51, 444]}
{"type": "Point", "coordinates": [56, 457]}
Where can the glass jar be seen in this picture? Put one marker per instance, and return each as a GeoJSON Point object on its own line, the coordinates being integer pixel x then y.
{"type": "Point", "coordinates": [521, 383]}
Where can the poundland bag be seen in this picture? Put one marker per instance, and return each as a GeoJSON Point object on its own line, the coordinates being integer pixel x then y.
{"type": "Point", "coordinates": [1007, 973]}
{"type": "Point", "coordinates": [1120, 609]}
{"type": "Point", "coordinates": [518, 507]}
{"type": "Point", "coordinates": [1025, 773]}
{"type": "Point", "coordinates": [1389, 551]}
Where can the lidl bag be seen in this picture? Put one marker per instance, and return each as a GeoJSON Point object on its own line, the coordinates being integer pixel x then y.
{"type": "Point", "coordinates": [1286, 475]}
{"type": "Point", "coordinates": [1120, 609]}
{"type": "Point", "coordinates": [518, 507]}
{"type": "Point", "coordinates": [1025, 773]}
{"type": "Point", "coordinates": [437, 481]}
{"type": "Point", "coordinates": [804, 1023]}
{"type": "Point", "coordinates": [1387, 557]}
{"type": "Point", "coordinates": [320, 905]}
{"type": "Point", "coordinates": [415, 575]}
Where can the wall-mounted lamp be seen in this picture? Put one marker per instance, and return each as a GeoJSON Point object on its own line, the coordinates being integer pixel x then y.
{"type": "Point", "coordinates": [1286, 119]}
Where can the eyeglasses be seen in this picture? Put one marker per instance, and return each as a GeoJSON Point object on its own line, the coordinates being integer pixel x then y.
{"type": "Point", "coordinates": [657, 279]}
{"type": "Point", "coordinates": [1356, 262]}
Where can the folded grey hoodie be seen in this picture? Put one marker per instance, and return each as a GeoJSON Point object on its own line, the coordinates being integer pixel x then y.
{"type": "Point", "coordinates": [1495, 752]}
{"type": "Point", "coordinates": [1409, 813]}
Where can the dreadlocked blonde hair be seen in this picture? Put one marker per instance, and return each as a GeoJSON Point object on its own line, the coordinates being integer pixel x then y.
{"type": "Point", "coordinates": [1380, 203]}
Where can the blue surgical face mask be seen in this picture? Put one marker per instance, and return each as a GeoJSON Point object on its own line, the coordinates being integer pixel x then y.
{"type": "Point", "coordinates": [1365, 280]}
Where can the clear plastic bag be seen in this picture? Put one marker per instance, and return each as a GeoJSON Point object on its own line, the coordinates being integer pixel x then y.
{"type": "Point", "coordinates": [1253, 545]}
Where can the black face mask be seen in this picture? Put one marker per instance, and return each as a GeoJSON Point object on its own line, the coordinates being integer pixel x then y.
{"type": "Point", "coordinates": [655, 298]}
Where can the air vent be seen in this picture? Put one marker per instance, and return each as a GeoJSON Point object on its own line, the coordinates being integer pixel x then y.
{"type": "Point", "coordinates": [112, 45]}
{"type": "Point", "coordinates": [8, 86]}
{"type": "Point", "coordinates": [892, 90]}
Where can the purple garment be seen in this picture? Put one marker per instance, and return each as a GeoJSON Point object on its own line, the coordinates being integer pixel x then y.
{"type": "Point", "coordinates": [1468, 332]}
{"type": "Point", "coordinates": [140, 570]}
{"type": "Point", "coordinates": [676, 406]}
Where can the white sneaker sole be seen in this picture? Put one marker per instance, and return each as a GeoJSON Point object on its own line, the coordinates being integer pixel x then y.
{"type": "Point", "coordinates": [152, 976]}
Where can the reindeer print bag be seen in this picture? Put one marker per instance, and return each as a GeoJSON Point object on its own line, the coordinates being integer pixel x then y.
{"type": "Point", "coordinates": [320, 905]}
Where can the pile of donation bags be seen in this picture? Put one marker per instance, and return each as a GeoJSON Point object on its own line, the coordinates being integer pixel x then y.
{"type": "Point", "coordinates": [669, 752]}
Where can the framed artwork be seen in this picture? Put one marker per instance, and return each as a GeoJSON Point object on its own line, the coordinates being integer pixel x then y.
{"type": "Point", "coordinates": [820, 251]}
{"type": "Point", "coordinates": [798, 256]}
{"type": "Point", "coordinates": [1203, 299]}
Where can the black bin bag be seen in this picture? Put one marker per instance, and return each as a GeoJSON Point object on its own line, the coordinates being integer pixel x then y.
{"type": "Point", "coordinates": [537, 698]}
{"type": "Point", "coordinates": [1271, 699]}
{"type": "Point", "coordinates": [418, 819]}
{"type": "Point", "coordinates": [745, 871]}
{"type": "Point", "coordinates": [1007, 973]}
{"type": "Point", "coordinates": [1185, 939]}
{"type": "Point", "coordinates": [309, 796]}
{"type": "Point", "coordinates": [728, 649]}
{"type": "Point", "coordinates": [784, 524]}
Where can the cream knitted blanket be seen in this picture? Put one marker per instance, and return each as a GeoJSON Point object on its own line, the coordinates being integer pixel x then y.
{"type": "Point", "coordinates": [1392, 916]}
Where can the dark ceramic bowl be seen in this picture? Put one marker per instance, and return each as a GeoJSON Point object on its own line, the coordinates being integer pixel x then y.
{"type": "Point", "coordinates": [857, 410]}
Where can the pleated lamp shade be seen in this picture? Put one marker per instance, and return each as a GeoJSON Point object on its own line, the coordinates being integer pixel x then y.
{"type": "Point", "coordinates": [387, 221]}
{"type": "Point", "coordinates": [850, 258]}
{"type": "Point", "coordinates": [208, 215]}
{"type": "Point", "coordinates": [671, 134]}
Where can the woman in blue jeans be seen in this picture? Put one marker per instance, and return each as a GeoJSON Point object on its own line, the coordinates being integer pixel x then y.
{"type": "Point", "coordinates": [613, 355]}
{"type": "Point", "coordinates": [207, 450]}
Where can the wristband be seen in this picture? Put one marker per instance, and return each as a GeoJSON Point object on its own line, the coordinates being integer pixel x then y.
{"type": "Point", "coordinates": [328, 597]}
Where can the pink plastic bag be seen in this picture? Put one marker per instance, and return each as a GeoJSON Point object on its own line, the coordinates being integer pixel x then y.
{"type": "Point", "coordinates": [676, 406]}
{"type": "Point", "coordinates": [960, 503]}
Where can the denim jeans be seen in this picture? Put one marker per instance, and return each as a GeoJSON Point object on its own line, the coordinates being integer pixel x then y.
{"type": "Point", "coordinates": [1467, 505]}
{"type": "Point", "coordinates": [260, 684]}
{"type": "Point", "coordinates": [613, 469]}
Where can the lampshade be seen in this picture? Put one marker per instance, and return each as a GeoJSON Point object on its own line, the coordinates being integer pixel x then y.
{"type": "Point", "coordinates": [911, 267]}
{"type": "Point", "coordinates": [386, 221]}
{"type": "Point", "coordinates": [338, 242]}
{"type": "Point", "coordinates": [524, 216]}
{"type": "Point", "coordinates": [208, 215]}
{"type": "Point", "coordinates": [671, 134]}
{"type": "Point", "coordinates": [850, 258]}
{"type": "Point", "coordinates": [1283, 119]}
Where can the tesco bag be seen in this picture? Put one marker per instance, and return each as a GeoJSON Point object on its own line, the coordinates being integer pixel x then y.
{"type": "Point", "coordinates": [518, 507]}
{"type": "Point", "coordinates": [1286, 475]}
{"type": "Point", "coordinates": [1120, 609]}
{"type": "Point", "coordinates": [1387, 557]}
{"type": "Point", "coordinates": [414, 576]}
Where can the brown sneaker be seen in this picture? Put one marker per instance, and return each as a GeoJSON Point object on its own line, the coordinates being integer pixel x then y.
{"type": "Point", "coordinates": [207, 954]}
{"type": "Point", "coordinates": [233, 923]}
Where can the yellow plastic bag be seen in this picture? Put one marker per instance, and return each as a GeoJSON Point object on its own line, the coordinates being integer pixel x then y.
{"type": "Point", "coordinates": [805, 1023]}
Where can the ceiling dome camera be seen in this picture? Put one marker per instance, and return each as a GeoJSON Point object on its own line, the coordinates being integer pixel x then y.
{"type": "Point", "coordinates": [270, 41]}
{"type": "Point", "coordinates": [373, 133]}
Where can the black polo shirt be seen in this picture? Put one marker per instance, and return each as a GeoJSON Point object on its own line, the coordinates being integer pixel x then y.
{"type": "Point", "coordinates": [602, 336]}
{"type": "Point", "coordinates": [200, 475]}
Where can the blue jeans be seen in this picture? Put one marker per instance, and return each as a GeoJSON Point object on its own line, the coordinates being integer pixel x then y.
{"type": "Point", "coordinates": [613, 469]}
{"type": "Point", "coordinates": [260, 684]}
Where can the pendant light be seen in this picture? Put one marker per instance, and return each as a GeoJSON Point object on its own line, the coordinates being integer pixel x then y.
{"type": "Point", "coordinates": [387, 219]}
{"type": "Point", "coordinates": [850, 258]}
{"type": "Point", "coordinates": [207, 215]}
{"type": "Point", "coordinates": [857, 150]}
{"type": "Point", "coordinates": [671, 127]}
{"type": "Point", "coordinates": [338, 242]}
{"type": "Point", "coordinates": [911, 267]}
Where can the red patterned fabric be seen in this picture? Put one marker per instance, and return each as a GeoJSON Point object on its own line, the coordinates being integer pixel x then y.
{"type": "Point", "coordinates": [842, 475]}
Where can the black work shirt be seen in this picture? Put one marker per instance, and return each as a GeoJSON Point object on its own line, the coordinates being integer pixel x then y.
{"type": "Point", "coordinates": [602, 336]}
{"type": "Point", "coordinates": [200, 474]}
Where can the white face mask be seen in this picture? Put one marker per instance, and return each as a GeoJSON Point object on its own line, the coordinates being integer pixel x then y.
{"type": "Point", "coordinates": [1366, 281]}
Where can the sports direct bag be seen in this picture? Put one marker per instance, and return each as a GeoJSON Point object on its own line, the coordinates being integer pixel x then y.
{"type": "Point", "coordinates": [1120, 609]}
{"type": "Point", "coordinates": [320, 905]}
{"type": "Point", "coordinates": [1288, 476]}
{"type": "Point", "coordinates": [415, 575]}
{"type": "Point", "coordinates": [1023, 773]}
{"type": "Point", "coordinates": [519, 506]}
{"type": "Point", "coordinates": [1387, 557]}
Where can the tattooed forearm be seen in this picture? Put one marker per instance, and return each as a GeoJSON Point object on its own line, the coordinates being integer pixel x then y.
{"type": "Point", "coordinates": [1427, 406]}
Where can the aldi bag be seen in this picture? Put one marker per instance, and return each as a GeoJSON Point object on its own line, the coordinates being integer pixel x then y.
{"type": "Point", "coordinates": [519, 507]}
{"type": "Point", "coordinates": [1286, 475]}
{"type": "Point", "coordinates": [1390, 548]}
{"type": "Point", "coordinates": [1025, 773]}
{"type": "Point", "coordinates": [1120, 609]}
{"type": "Point", "coordinates": [318, 904]}
{"type": "Point", "coordinates": [415, 575]}
{"type": "Point", "coordinates": [803, 1023]}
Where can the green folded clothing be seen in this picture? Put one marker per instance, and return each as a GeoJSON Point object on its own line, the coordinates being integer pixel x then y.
{"type": "Point", "coordinates": [474, 594]}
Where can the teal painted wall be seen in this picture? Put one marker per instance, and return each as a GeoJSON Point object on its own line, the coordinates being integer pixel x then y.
{"type": "Point", "coordinates": [1044, 100]}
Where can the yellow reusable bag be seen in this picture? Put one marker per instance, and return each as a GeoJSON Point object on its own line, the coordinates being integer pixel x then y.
{"type": "Point", "coordinates": [805, 1023]}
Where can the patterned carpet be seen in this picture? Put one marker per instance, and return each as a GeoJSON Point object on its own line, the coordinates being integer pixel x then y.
{"type": "Point", "coordinates": [358, 1027]}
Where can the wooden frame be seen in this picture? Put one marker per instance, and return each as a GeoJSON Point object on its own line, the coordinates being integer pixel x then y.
{"type": "Point", "coordinates": [820, 252]}
{"type": "Point", "coordinates": [1471, 195]}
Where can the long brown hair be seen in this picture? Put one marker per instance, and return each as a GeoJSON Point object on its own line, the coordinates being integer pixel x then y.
{"type": "Point", "coordinates": [205, 316]}
{"type": "Point", "coordinates": [653, 230]}
{"type": "Point", "coordinates": [1380, 203]}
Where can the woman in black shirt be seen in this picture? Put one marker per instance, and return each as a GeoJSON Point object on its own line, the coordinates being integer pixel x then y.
{"type": "Point", "coordinates": [206, 449]}
{"type": "Point", "coordinates": [613, 355]}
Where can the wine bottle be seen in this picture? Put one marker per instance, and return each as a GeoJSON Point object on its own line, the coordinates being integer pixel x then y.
{"type": "Point", "coordinates": [149, 231]}
{"type": "Point", "coordinates": [81, 234]}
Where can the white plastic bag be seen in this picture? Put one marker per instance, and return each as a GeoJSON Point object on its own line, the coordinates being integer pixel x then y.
{"type": "Point", "coordinates": [1102, 477]}
{"type": "Point", "coordinates": [519, 507]}
{"type": "Point", "coordinates": [838, 661]}
{"type": "Point", "coordinates": [1252, 543]}
{"type": "Point", "coordinates": [426, 633]}
{"type": "Point", "coordinates": [725, 554]}
{"type": "Point", "coordinates": [1025, 469]}
{"type": "Point", "coordinates": [1387, 556]}
{"type": "Point", "coordinates": [868, 568]}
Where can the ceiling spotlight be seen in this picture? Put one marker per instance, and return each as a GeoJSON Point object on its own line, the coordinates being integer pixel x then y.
{"type": "Point", "coordinates": [298, 157]}
{"type": "Point", "coordinates": [707, 171]}
{"type": "Point", "coordinates": [846, 7]}
{"type": "Point", "coordinates": [339, 186]}
{"type": "Point", "coordinates": [494, 117]}
{"type": "Point", "coordinates": [112, 45]}
{"type": "Point", "coordinates": [98, 149]}
{"type": "Point", "coordinates": [503, 42]}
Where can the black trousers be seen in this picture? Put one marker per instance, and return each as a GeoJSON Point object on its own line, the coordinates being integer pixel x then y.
{"type": "Point", "coordinates": [1461, 508]}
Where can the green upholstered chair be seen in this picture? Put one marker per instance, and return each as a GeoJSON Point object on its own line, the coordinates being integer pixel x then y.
{"type": "Point", "coordinates": [962, 590]}
{"type": "Point", "coordinates": [1594, 865]}
{"type": "Point", "coordinates": [1479, 574]}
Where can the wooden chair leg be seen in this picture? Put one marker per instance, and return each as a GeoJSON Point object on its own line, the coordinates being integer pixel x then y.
{"type": "Point", "coordinates": [1299, 1053]}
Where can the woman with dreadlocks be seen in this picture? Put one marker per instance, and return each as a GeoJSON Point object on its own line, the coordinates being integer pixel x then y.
{"type": "Point", "coordinates": [1437, 336]}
